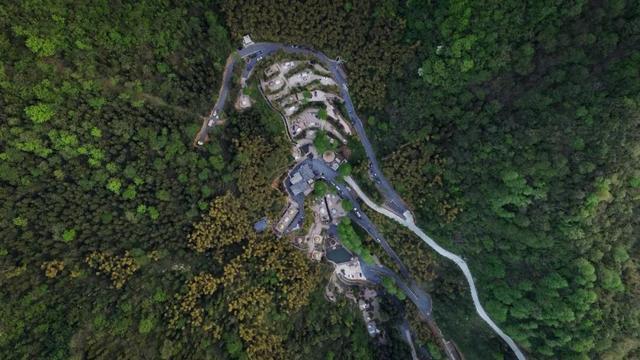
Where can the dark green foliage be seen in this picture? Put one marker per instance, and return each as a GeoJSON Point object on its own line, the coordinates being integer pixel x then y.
{"type": "Point", "coordinates": [320, 189]}
{"type": "Point", "coordinates": [352, 241]}
{"type": "Point", "coordinates": [368, 36]}
{"type": "Point", "coordinates": [511, 127]}
{"type": "Point", "coordinates": [98, 106]}
{"type": "Point", "coordinates": [523, 124]}
{"type": "Point", "coordinates": [345, 169]}
{"type": "Point", "coordinates": [323, 142]}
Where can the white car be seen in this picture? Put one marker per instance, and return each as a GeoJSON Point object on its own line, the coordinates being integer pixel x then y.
{"type": "Point", "coordinates": [200, 142]}
{"type": "Point", "coordinates": [210, 124]}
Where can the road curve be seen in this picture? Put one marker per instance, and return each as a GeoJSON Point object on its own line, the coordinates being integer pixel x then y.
{"type": "Point", "coordinates": [393, 200]}
{"type": "Point", "coordinates": [262, 49]}
{"type": "Point", "coordinates": [420, 299]}
{"type": "Point", "coordinates": [331, 176]}
{"type": "Point", "coordinates": [449, 255]}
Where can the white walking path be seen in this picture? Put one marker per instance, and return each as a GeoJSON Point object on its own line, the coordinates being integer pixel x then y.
{"type": "Point", "coordinates": [408, 223]}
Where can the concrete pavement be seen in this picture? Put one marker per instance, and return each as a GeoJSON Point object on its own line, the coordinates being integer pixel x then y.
{"type": "Point", "coordinates": [421, 300]}
{"type": "Point", "coordinates": [396, 206]}
{"type": "Point", "coordinates": [264, 49]}
{"type": "Point", "coordinates": [449, 255]}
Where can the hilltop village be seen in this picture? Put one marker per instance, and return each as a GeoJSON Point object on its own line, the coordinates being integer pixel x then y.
{"type": "Point", "coordinates": [308, 100]}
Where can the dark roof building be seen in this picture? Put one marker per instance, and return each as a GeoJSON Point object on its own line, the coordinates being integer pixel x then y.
{"type": "Point", "coordinates": [306, 172]}
{"type": "Point", "coordinates": [300, 187]}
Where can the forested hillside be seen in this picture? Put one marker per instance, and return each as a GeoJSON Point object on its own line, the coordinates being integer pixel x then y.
{"type": "Point", "coordinates": [527, 162]}
{"type": "Point", "coordinates": [512, 128]}
{"type": "Point", "coordinates": [98, 181]}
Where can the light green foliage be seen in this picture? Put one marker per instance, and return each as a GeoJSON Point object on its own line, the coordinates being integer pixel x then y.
{"type": "Point", "coordinates": [159, 296]}
{"type": "Point", "coordinates": [40, 46]}
{"type": "Point", "coordinates": [154, 214]}
{"type": "Point", "coordinates": [611, 280]}
{"type": "Point", "coordinates": [20, 221]}
{"type": "Point", "coordinates": [322, 114]}
{"type": "Point", "coordinates": [97, 103]}
{"type": "Point", "coordinates": [345, 169]}
{"type": "Point", "coordinates": [620, 254]}
{"type": "Point", "coordinates": [390, 286]}
{"type": "Point", "coordinates": [69, 235]}
{"type": "Point", "coordinates": [320, 188]}
{"type": "Point", "coordinates": [130, 192]}
{"type": "Point", "coordinates": [346, 205]}
{"type": "Point", "coordinates": [350, 239]}
{"type": "Point", "coordinates": [323, 143]}
{"type": "Point", "coordinates": [146, 325]}
{"type": "Point", "coordinates": [95, 132]}
{"type": "Point", "coordinates": [39, 113]}
{"type": "Point", "coordinates": [114, 185]}
{"type": "Point", "coordinates": [112, 167]}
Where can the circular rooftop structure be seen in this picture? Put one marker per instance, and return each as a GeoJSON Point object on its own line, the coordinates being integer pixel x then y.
{"type": "Point", "coordinates": [328, 156]}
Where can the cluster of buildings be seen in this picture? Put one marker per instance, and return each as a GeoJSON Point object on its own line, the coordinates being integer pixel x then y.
{"type": "Point", "coordinates": [301, 181]}
{"type": "Point", "coordinates": [307, 98]}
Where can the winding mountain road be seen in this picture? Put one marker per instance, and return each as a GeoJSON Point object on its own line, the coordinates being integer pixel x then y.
{"type": "Point", "coordinates": [394, 201]}
{"type": "Point", "coordinates": [408, 223]}
{"type": "Point", "coordinates": [396, 208]}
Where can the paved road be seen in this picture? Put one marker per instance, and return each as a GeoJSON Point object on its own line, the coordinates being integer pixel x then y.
{"type": "Point", "coordinates": [420, 298]}
{"type": "Point", "coordinates": [406, 332]}
{"type": "Point", "coordinates": [324, 172]}
{"type": "Point", "coordinates": [393, 200]}
{"type": "Point", "coordinates": [397, 209]}
{"type": "Point", "coordinates": [449, 255]}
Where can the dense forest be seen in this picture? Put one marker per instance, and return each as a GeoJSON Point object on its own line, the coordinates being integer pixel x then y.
{"type": "Point", "coordinates": [512, 128]}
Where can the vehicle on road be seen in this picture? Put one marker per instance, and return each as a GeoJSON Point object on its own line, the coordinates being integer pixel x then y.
{"type": "Point", "coordinates": [210, 124]}
{"type": "Point", "coordinates": [200, 142]}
